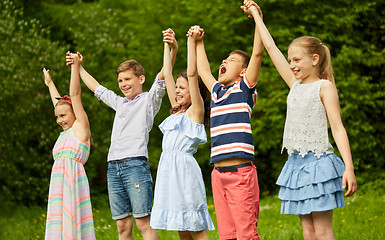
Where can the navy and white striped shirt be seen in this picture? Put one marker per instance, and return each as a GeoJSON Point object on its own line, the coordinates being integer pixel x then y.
{"type": "Point", "coordinates": [230, 128]}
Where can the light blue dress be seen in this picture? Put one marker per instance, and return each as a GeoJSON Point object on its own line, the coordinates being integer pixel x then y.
{"type": "Point", "coordinates": [180, 197]}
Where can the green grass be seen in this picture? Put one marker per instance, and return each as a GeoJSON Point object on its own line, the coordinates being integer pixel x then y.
{"type": "Point", "coordinates": [363, 217]}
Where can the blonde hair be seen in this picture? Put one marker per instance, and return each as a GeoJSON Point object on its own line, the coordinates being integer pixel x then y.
{"type": "Point", "coordinates": [314, 45]}
{"type": "Point", "coordinates": [63, 102]}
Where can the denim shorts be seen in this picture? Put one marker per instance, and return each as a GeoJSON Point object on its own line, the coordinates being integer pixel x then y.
{"type": "Point", "coordinates": [129, 187]}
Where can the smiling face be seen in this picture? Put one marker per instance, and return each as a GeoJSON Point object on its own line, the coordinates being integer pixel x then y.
{"type": "Point", "coordinates": [65, 116]}
{"type": "Point", "coordinates": [302, 64]}
{"type": "Point", "coordinates": [182, 91]}
{"type": "Point", "coordinates": [130, 84]}
{"type": "Point", "coordinates": [231, 69]}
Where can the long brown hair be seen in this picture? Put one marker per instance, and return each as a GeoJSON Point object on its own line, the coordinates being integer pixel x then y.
{"type": "Point", "coordinates": [205, 94]}
{"type": "Point", "coordinates": [314, 45]}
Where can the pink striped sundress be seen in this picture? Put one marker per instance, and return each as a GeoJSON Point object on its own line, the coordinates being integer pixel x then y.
{"type": "Point", "coordinates": [69, 214]}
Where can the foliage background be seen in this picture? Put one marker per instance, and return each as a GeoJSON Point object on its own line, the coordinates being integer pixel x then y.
{"type": "Point", "coordinates": [37, 33]}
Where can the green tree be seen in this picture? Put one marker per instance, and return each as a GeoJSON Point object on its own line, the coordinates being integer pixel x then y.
{"type": "Point", "coordinates": [110, 32]}
{"type": "Point", "coordinates": [26, 112]}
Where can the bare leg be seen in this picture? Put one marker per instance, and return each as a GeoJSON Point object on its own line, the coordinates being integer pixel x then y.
{"type": "Point", "coordinates": [143, 225]}
{"type": "Point", "coordinates": [318, 225]}
{"type": "Point", "coordinates": [201, 235]}
{"type": "Point", "coordinates": [307, 227]}
{"type": "Point", "coordinates": [125, 228]}
{"type": "Point", "coordinates": [185, 235]}
{"type": "Point", "coordinates": [323, 225]}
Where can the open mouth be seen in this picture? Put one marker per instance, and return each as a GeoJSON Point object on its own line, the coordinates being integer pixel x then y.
{"type": "Point", "coordinates": [222, 70]}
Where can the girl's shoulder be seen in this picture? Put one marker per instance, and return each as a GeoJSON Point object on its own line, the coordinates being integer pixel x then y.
{"type": "Point", "coordinates": [326, 84]}
{"type": "Point", "coordinates": [327, 88]}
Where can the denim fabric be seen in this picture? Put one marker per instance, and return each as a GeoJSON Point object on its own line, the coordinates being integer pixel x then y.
{"type": "Point", "coordinates": [129, 188]}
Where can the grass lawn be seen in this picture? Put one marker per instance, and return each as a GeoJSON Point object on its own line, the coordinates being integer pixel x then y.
{"type": "Point", "coordinates": [363, 217]}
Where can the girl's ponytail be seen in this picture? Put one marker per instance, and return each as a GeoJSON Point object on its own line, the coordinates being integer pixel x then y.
{"type": "Point", "coordinates": [325, 69]}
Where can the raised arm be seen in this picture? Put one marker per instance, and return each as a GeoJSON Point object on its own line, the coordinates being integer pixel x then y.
{"type": "Point", "coordinates": [88, 80]}
{"type": "Point", "coordinates": [254, 66]}
{"type": "Point", "coordinates": [203, 64]}
{"type": "Point", "coordinates": [196, 110]}
{"type": "Point", "coordinates": [167, 72]}
{"type": "Point", "coordinates": [329, 97]}
{"type": "Point", "coordinates": [53, 92]}
{"type": "Point", "coordinates": [169, 37]}
{"type": "Point", "coordinates": [81, 126]}
{"type": "Point", "coordinates": [275, 54]}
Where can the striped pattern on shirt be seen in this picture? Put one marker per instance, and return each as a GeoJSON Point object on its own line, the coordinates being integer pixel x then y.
{"type": "Point", "coordinates": [230, 128]}
{"type": "Point", "coordinates": [69, 214]}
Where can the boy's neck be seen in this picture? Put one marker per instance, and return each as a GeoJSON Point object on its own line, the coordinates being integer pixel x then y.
{"type": "Point", "coordinates": [134, 96]}
{"type": "Point", "coordinates": [231, 82]}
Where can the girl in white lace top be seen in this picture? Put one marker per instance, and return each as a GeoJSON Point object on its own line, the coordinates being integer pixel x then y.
{"type": "Point", "coordinates": [313, 177]}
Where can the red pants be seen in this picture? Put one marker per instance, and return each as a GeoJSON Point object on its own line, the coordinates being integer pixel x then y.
{"type": "Point", "coordinates": [236, 200]}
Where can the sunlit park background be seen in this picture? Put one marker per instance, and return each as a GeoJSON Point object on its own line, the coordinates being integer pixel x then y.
{"type": "Point", "coordinates": [37, 33]}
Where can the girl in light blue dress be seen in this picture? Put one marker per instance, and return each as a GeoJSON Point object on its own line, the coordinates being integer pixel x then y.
{"type": "Point", "coordinates": [180, 197]}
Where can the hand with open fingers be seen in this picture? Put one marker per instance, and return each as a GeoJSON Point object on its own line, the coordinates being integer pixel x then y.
{"type": "Point", "coordinates": [349, 179]}
{"type": "Point", "coordinates": [47, 77]}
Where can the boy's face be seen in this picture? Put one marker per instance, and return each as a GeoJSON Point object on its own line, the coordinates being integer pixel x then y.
{"type": "Point", "coordinates": [130, 84]}
{"type": "Point", "coordinates": [231, 69]}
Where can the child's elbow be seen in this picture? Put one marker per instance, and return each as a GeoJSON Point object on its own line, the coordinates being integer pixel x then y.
{"type": "Point", "coordinates": [258, 54]}
{"type": "Point", "coordinates": [270, 46]}
{"type": "Point", "coordinates": [74, 94]}
{"type": "Point", "coordinates": [192, 73]}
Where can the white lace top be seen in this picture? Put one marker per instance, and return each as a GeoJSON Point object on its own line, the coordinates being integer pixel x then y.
{"type": "Point", "coordinates": [306, 126]}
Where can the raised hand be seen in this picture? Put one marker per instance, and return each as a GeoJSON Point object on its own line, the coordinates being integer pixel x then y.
{"type": "Point", "coordinates": [248, 6]}
{"type": "Point", "coordinates": [169, 37]}
{"type": "Point", "coordinates": [80, 57]}
{"type": "Point", "coordinates": [69, 59]}
{"type": "Point", "coordinates": [76, 58]}
{"type": "Point", "coordinates": [196, 33]}
{"type": "Point", "coordinates": [47, 77]}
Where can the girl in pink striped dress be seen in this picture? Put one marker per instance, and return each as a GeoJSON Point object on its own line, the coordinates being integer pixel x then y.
{"type": "Point", "coordinates": [69, 214]}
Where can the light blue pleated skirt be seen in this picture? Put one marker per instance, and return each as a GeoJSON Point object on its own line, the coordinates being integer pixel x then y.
{"type": "Point", "coordinates": [311, 184]}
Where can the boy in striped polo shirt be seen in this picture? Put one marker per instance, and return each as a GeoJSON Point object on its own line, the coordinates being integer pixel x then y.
{"type": "Point", "coordinates": [234, 177]}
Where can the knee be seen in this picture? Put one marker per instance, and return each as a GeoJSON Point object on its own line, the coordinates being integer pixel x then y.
{"type": "Point", "coordinates": [308, 233]}
{"type": "Point", "coordinates": [143, 224]}
{"type": "Point", "coordinates": [324, 233]}
{"type": "Point", "coordinates": [123, 227]}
